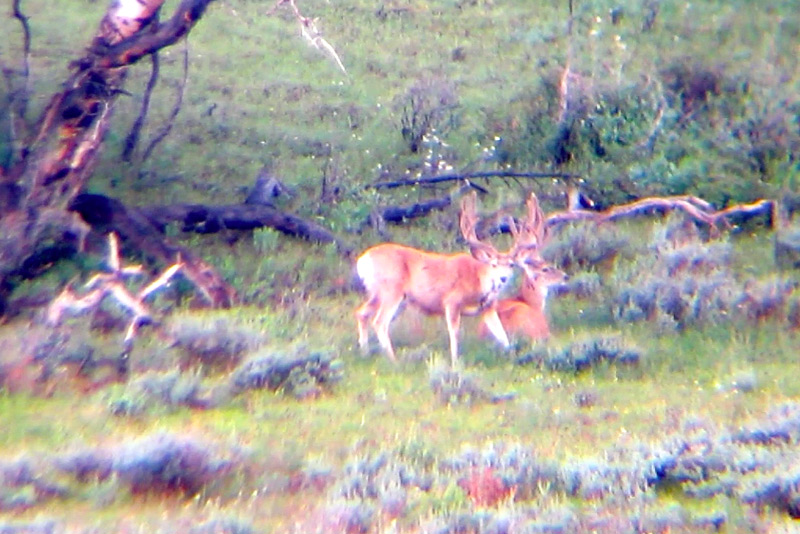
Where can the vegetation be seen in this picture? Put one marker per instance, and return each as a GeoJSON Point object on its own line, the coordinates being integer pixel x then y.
{"type": "Point", "coordinates": [661, 404]}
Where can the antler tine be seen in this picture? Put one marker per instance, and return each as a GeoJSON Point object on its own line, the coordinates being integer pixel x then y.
{"type": "Point", "coordinates": [468, 219]}
{"type": "Point", "coordinates": [530, 238]}
{"type": "Point", "coordinates": [536, 223]}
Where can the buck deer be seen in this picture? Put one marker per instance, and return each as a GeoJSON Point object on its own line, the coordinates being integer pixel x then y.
{"type": "Point", "coordinates": [524, 315]}
{"type": "Point", "coordinates": [437, 284]}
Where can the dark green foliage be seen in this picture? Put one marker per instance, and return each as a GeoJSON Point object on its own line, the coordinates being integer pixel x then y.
{"type": "Point", "coordinates": [167, 463]}
{"type": "Point", "coordinates": [301, 375]}
{"type": "Point", "coordinates": [583, 355]}
{"type": "Point", "coordinates": [171, 389]}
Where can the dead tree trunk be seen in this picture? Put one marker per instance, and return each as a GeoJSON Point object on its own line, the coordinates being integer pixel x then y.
{"type": "Point", "coordinates": [57, 159]}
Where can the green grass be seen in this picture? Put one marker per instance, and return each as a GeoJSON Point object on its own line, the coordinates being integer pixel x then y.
{"type": "Point", "coordinates": [259, 96]}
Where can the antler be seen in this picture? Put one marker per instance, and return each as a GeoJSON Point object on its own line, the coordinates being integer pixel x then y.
{"type": "Point", "coordinates": [468, 218]}
{"type": "Point", "coordinates": [532, 234]}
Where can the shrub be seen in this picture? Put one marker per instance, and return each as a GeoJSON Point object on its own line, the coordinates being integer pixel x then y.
{"type": "Point", "coordinates": [167, 463]}
{"type": "Point", "coordinates": [453, 387]}
{"type": "Point", "coordinates": [24, 483]}
{"type": "Point", "coordinates": [217, 344]}
{"type": "Point", "coordinates": [767, 298]}
{"type": "Point", "coordinates": [349, 517]}
{"type": "Point", "coordinates": [552, 520]}
{"type": "Point", "coordinates": [581, 246]}
{"type": "Point", "coordinates": [41, 526]}
{"type": "Point", "coordinates": [583, 285]}
{"type": "Point", "coordinates": [301, 375]}
{"type": "Point", "coordinates": [682, 282]}
{"type": "Point", "coordinates": [428, 106]}
{"type": "Point", "coordinates": [171, 389]}
{"type": "Point", "coordinates": [582, 355]}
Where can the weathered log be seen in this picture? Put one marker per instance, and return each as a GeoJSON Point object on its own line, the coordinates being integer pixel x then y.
{"type": "Point", "coordinates": [698, 209]}
{"type": "Point", "coordinates": [398, 214]}
{"type": "Point", "coordinates": [205, 219]}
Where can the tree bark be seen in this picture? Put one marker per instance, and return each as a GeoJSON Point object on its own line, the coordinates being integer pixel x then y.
{"type": "Point", "coordinates": [56, 162]}
{"type": "Point", "coordinates": [209, 219]}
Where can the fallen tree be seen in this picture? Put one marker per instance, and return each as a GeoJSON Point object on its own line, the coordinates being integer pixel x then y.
{"type": "Point", "coordinates": [696, 208]}
{"type": "Point", "coordinates": [53, 159]}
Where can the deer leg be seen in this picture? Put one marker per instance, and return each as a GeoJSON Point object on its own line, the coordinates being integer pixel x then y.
{"type": "Point", "coordinates": [453, 317]}
{"type": "Point", "coordinates": [380, 323]}
{"type": "Point", "coordinates": [364, 313]}
{"type": "Point", "coordinates": [492, 321]}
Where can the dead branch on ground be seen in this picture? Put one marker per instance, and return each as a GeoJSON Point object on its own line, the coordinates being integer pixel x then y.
{"type": "Point", "coordinates": [453, 177]}
{"type": "Point", "coordinates": [202, 219]}
{"type": "Point", "coordinates": [112, 284]}
{"type": "Point", "coordinates": [106, 214]}
{"type": "Point", "coordinates": [694, 207]}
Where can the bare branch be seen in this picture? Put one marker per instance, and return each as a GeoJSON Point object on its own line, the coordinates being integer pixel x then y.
{"type": "Point", "coordinates": [175, 109]}
{"type": "Point", "coordinates": [430, 180]}
{"type": "Point", "coordinates": [132, 140]}
{"type": "Point", "coordinates": [26, 45]}
{"type": "Point", "coordinates": [16, 104]}
{"type": "Point", "coordinates": [111, 284]}
{"type": "Point", "coordinates": [697, 208]}
{"type": "Point", "coordinates": [310, 32]}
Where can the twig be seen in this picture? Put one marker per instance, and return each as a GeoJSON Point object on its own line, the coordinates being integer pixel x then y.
{"type": "Point", "coordinates": [696, 208]}
{"type": "Point", "coordinates": [427, 180]}
{"type": "Point", "coordinates": [132, 140]}
{"type": "Point", "coordinates": [310, 32]}
{"type": "Point", "coordinates": [26, 46]}
{"type": "Point", "coordinates": [160, 136]}
{"type": "Point", "coordinates": [563, 86]}
{"type": "Point", "coordinates": [18, 93]}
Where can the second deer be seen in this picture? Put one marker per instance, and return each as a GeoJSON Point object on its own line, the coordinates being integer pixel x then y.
{"type": "Point", "coordinates": [523, 316]}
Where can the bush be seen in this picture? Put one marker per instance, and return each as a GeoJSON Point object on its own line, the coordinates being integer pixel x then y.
{"type": "Point", "coordinates": [581, 246]}
{"type": "Point", "coordinates": [171, 389]}
{"type": "Point", "coordinates": [301, 375]}
{"type": "Point", "coordinates": [217, 344]}
{"type": "Point", "coordinates": [167, 463]}
{"type": "Point", "coordinates": [452, 387]}
{"type": "Point", "coordinates": [30, 527]}
{"type": "Point", "coordinates": [582, 355]}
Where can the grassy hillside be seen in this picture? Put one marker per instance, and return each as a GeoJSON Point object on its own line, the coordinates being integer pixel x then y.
{"type": "Point", "coordinates": [665, 401]}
